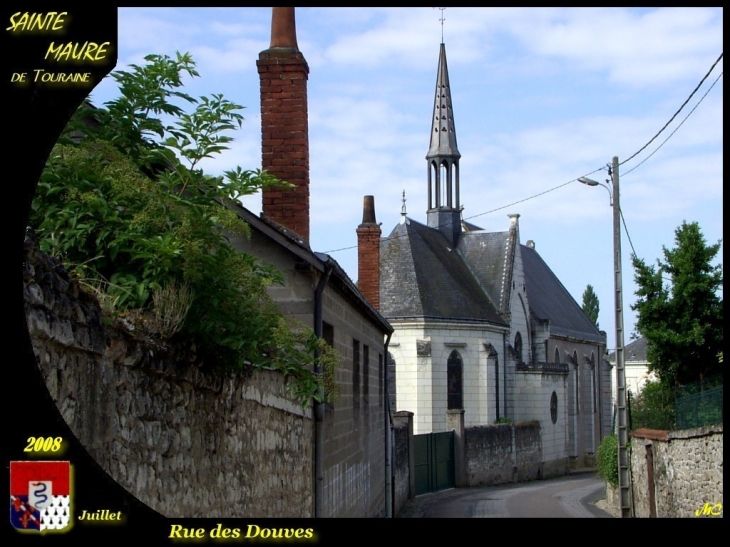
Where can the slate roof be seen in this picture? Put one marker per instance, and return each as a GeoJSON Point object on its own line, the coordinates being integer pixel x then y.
{"type": "Point", "coordinates": [423, 277]}
{"type": "Point", "coordinates": [486, 253]}
{"type": "Point", "coordinates": [635, 351]}
{"type": "Point", "coordinates": [549, 299]}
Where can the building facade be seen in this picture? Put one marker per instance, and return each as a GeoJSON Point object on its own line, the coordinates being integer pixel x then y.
{"type": "Point", "coordinates": [349, 474]}
{"type": "Point", "coordinates": [482, 323]}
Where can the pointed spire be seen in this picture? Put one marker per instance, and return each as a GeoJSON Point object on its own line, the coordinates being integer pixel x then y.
{"type": "Point", "coordinates": [443, 132]}
{"type": "Point", "coordinates": [444, 204]}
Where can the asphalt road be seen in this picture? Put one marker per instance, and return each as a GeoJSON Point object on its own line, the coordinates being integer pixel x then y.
{"type": "Point", "coordinates": [573, 496]}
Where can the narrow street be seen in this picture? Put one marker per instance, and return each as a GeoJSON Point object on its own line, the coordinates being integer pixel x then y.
{"type": "Point", "coordinates": [573, 496]}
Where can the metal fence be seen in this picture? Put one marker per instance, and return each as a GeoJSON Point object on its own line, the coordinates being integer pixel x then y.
{"type": "Point", "coordinates": [699, 404]}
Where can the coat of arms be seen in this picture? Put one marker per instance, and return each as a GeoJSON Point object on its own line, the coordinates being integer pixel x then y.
{"type": "Point", "coordinates": [40, 495]}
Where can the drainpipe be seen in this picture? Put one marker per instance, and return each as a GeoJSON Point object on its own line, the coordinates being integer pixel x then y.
{"type": "Point", "coordinates": [319, 407]}
{"type": "Point", "coordinates": [388, 438]}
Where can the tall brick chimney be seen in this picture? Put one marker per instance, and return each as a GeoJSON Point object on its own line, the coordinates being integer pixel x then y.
{"type": "Point", "coordinates": [368, 254]}
{"type": "Point", "coordinates": [283, 73]}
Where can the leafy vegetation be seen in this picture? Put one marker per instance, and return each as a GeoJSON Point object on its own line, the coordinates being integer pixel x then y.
{"type": "Point", "coordinates": [683, 319]}
{"type": "Point", "coordinates": [591, 306]}
{"type": "Point", "coordinates": [608, 460]}
{"type": "Point", "coordinates": [127, 208]}
{"type": "Point", "coordinates": [653, 407]}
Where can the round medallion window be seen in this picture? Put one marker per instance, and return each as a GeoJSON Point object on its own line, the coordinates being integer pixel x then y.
{"type": "Point", "coordinates": [554, 407]}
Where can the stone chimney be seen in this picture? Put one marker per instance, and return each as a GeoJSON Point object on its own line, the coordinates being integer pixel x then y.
{"type": "Point", "coordinates": [283, 74]}
{"type": "Point", "coordinates": [368, 254]}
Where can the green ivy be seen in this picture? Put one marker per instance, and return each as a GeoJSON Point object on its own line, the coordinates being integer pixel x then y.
{"type": "Point", "coordinates": [127, 208]}
{"type": "Point", "coordinates": [608, 459]}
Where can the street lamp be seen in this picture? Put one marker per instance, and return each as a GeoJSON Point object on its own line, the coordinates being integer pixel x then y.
{"type": "Point", "coordinates": [624, 480]}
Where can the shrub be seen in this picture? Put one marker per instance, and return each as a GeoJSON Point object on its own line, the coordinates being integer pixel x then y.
{"type": "Point", "coordinates": [128, 202]}
{"type": "Point", "coordinates": [653, 407]}
{"type": "Point", "coordinates": [608, 460]}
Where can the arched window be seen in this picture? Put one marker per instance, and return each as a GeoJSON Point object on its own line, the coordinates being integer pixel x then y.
{"type": "Point", "coordinates": [518, 347]}
{"type": "Point", "coordinates": [454, 373]}
{"type": "Point", "coordinates": [557, 355]}
{"type": "Point", "coordinates": [593, 382]}
{"type": "Point", "coordinates": [577, 382]}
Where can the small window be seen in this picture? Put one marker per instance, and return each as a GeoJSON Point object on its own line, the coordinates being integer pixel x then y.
{"type": "Point", "coordinates": [356, 375]}
{"type": "Point", "coordinates": [366, 374]}
{"type": "Point", "coordinates": [557, 355]}
{"type": "Point", "coordinates": [328, 333]}
{"type": "Point", "coordinates": [454, 372]}
{"type": "Point", "coordinates": [380, 379]}
{"type": "Point", "coordinates": [518, 347]}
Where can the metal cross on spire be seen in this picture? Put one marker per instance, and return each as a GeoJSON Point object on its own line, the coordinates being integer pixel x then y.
{"type": "Point", "coordinates": [442, 19]}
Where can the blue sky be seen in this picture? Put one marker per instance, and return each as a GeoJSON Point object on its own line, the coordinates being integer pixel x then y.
{"type": "Point", "coordinates": [540, 96]}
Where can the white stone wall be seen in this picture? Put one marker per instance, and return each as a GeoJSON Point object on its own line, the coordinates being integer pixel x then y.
{"type": "Point", "coordinates": [533, 394]}
{"type": "Point", "coordinates": [588, 420]}
{"type": "Point", "coordinates": [421, 381]}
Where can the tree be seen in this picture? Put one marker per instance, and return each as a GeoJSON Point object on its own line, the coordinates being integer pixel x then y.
{"type": "Point", "coordinates": [591, 305]}
{"type": "Point", "coordinates": [680, 310]}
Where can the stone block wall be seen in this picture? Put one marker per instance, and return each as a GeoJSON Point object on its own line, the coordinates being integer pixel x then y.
{"type": "Point", "coordinates": [354, 453]}
{"type": "Point", "coordinates": [500, 454]}
{"type": "Point", "coordinates": [186, 443]}
{"type": "Point", "coordinates": [401, 469]}
{"type": "Point", "coordinates": [686, 466]}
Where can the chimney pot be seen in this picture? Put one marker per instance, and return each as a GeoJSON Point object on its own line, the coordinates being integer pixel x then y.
{"type": "Point", "coordinates": [368, 210]}
{"type": "Point", "coordinates": [283, 28]}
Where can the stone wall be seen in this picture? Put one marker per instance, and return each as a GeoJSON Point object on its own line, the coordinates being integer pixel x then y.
{"type": "Point", "coordinates": [500, 454]}
{"type": "Point", "coordinates": [542, 391]}
{"type": "Point", "coordinates": [687, 470]}
{"type": "Point", "coordinates": [401, 470]}
{"type": "Point", "coordinates": [186, 443]}
{"type": "Point", "coordinates": [353, 452]}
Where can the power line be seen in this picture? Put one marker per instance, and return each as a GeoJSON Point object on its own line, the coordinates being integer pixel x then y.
{"type": "Point", "coordinates": [623, 220]}
{"type": "Point", "coordinates": [675, 114]}
{"type": "Point", "coordinates": [486, 212]}
{"type": "Point", "coordinates": [600, 168]}
{"type": "Point", "coordinates": [677, 128]}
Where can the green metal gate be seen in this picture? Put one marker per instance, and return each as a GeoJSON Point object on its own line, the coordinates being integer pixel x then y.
{"type": "Point", "coordinates": [434, 461]}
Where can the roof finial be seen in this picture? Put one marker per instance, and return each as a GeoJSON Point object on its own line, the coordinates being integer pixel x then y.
{"type": "Point", "coordinates": [442, 19]}
{"type": "Point", "coordinates": [403, 209]}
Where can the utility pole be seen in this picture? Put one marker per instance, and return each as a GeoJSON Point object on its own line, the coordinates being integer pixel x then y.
{"type": "Point", "coordinates": [624, 476]}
